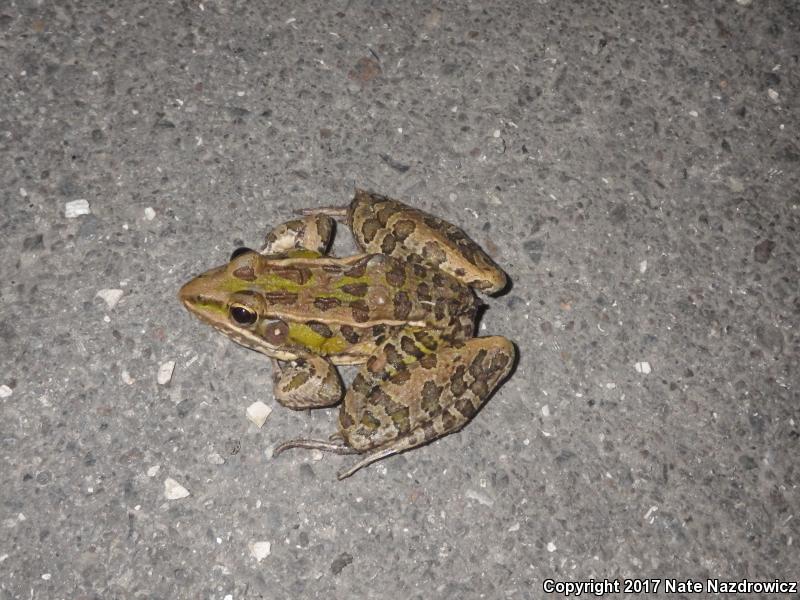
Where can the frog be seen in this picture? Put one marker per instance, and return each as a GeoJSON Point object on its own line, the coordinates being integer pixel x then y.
{"type": "Point", "coordinates": [403, 310]}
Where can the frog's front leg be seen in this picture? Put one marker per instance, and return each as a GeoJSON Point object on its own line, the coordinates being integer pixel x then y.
{"type": "Point", "coordinates": [310, 381]}
{"type": "Point", "coordinates": [409, 393]}
{"type": "Point", "coordinates": [312, 232]}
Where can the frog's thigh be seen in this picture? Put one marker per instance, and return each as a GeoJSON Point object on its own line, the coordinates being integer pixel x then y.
{"type": "Point", "coordinates": [388, 411]}
{"type": "Point", "coordinates": [313, 232]}
{"type": "Point", "coordinates": [390, 227]}
{"type": "Point", "coordinates": [308, 382]}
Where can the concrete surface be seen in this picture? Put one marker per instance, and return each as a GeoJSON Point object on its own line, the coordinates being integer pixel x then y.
{"type": "Point", "coordinates": [633, 165]}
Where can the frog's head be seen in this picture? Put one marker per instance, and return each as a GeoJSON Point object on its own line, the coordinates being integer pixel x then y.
{"type": "Point", "coordinates": [229, 299]}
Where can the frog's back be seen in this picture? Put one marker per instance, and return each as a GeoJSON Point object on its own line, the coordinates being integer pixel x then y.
{"type": "Point", "coordinates": [362, 291]}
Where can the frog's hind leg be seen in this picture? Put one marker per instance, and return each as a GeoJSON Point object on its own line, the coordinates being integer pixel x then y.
{"type": "Point", "coordinates": [386, 226]}
{"type": "Point", "coordinates": [311, 232]}
{"type": "Point", "coordinates": [396, 404]}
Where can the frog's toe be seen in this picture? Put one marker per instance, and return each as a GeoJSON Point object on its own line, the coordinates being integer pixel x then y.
{"type": "Point", "coordinates": [314, 445]}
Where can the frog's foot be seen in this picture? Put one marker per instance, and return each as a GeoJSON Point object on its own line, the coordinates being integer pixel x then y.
{"type": "Point", "coordinates": [308, 382]}
{"type": "Point", "coordinates": [336, 448]}
{"type": "Point", "coordinates": [312, 232]}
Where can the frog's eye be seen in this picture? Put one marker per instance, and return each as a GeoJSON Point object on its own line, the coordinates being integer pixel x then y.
{"type": "Point", "coordinates": [239, 251]}
{"type": "Point", "coordinates": [243, 315]}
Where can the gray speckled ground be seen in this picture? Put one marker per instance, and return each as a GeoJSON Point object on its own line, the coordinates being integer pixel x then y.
{"type": "Point", "coordinates": [634, 166]}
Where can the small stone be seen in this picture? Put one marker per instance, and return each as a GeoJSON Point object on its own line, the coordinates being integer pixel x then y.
{"type": "Point", "coordinates": [316, 455]}
{"type": "Point", "coordinates": [643, 266]}
{"type": "Point", "coordinates": [260, 550]}
{"type": "Point", "coordinates": [111, 296]}
{"type": "Point", "coordinates": [257, 413]}
{"type": "Point", "coordinates": [744, 2]}
{"type": "Point", "coordinates": [215, 459]}
{"type": "Point", "coordinates": [479, 497]}
{"type": "Point", "coordinates": [545, 411]}
{"type": "Point", "coordinates": [149, 213]}
{"type": "Point", "coordinates": [773, 95]}
{"type": "Point", "coordinates": [763, 250]}
{"type": "Point", "coordinates": [551, 547]}
{"type": "Point", "coordinates": [5, 391]}
{"type": "Point", "coordinates": [153, 471]}
{"type": "Point", "coordinates": [642, 367]}
{"type": "Point", "coordinates": [126, 377]}
{"type": "Point", "coordinates": [174, 490]}
{"type": "Point", "coordinates": [165, 372]}
{"type": "Point", "coordinates": [76, 208]}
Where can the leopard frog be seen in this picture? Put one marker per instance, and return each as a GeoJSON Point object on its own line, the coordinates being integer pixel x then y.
{"type": "Point", "coordinates": [404, 310]}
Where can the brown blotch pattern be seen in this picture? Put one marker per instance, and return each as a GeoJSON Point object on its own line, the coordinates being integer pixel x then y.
{"type": "Point", "coordinates": [297, 275]}
{"type": "Point", "coordinates": [396, 275]}
{"type": "Point", "coordinates": [428, 361]}
{"type": "Point", "coordinates": [400, 420]}
{"type": "Point", "coordinates": [386, 211]}
{"type": "Point", "coordinates": [457, 384]}
{"type": "Point", "coordinates": [245, 273]}
{"type": "Point", "coordinates": [360, 311]}
{"type": "Point", "coordinates": [280, 297]}
{"type": "Point", "coordinates": [404, 228]}
{"type": "Point", "coordinates": [350, 334]}
{"type": "Point", "coordinates": [355, 289]}
{"type": "Point", "coordinates": [400, 377]}
{"type": "Point", "coordinates": [402, 305]}
{"type": "Point", "coordinates": [327, 303]}
{"type": "Point", "coordinates": [320, 329]}
{"type": "Point", "coordinates": [433, 253]}
{"type": "Point", "coordinates": [359, 268]}
{"type": "Point", "coordinates": [424, 292]}
{"type": "Point", "coordinates": [360, 385]}
{"type": "Point", "coordinates": [370, 421]}
{"type": "Point", "coordinates": [426, 339]}
{"type": "Point", "coordinates": [388, 243]}
{"type": "Point", "coordinates": [408, 346]}
{"type": "Point", "coordinates": [430, 396]}
{"type": "Point", "coordinates": [369, 229]}
{"type": "Point", "coordinates": [393, 357]}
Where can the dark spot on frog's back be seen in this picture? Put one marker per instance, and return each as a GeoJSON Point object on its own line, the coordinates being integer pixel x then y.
{"type": "Point", "coordinates": [359, 268]}
{"type": "Point", "coordinates": [360, 311]}
{"type": "Point", "coordinates": [350, 334]}
{"type": "Point", "coordinates": [320, 329]}
{"type": "Point", "coordinates": [327, 303]}
{"type": "Point", "coordinates": [294, 274]}
{"type": "Point", "coordinates": [402, 305]}
{"type": "Point", "coordinates": [355, 289]}
{"type": "Point", "coordinates": [280, 297]}
{"type": "Point", "coordinates": [396, 275]}
{"type": "Point", "coordinates": [408, 346]}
